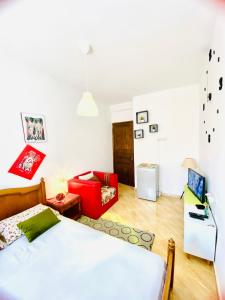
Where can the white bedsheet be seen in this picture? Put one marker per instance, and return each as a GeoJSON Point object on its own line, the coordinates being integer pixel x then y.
{"type": "Point", "coordinates": [74, 262]}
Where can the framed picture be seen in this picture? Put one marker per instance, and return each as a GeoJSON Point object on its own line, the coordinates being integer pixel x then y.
{"type": "Point", "coordinates": [34, 128]}
{"type": "Point", "coordinates": [153, 128]}
{"type": "Point", "coordinates": [27, 162]}
{"type": "Point", "coordinates": [139, 134]}
{"type": "Point", "coordinates": [142, 117]}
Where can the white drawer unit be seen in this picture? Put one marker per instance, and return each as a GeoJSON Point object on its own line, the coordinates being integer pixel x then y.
{"type": "Point", "coordinates": [199, 236]}
{"type": "Point", "coordinates": [148, 181]}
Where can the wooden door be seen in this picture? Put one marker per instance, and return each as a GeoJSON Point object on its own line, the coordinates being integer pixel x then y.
{"type": "Point", "coordinates": [123, 152]}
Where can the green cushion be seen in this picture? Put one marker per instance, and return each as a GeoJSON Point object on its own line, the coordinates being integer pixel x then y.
{"type": "Point", "coordinates": [38, 224]}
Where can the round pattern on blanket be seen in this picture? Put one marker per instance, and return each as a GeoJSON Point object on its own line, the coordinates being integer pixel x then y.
{"type": "Point", "coordinates": [132, 235]}
{"type": "Point", "coordinates": [108, 224]}
{"type": "Point", "coordinates": [85, 220]}
{"type": "Point", "coordinates": [146, 237]}
{"type": "Point", "coordinates": [133, 239]}
{"type": "Point", "coordinates": [126, 230]}
{"type": "Point", "coordinates": [114, 232]}
{"type": "Point", "coordinates": [97, 226]}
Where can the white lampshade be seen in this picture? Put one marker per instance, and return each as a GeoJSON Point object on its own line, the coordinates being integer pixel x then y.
{"type": "Point", "coordinates": [189, 163]}
{"type": "Point", "coordinates": [87, 106]}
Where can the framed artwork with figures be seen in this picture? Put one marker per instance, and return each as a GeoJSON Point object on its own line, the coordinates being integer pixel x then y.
{"type": "Point", "coordinates": [27, 163]}
{"type": "Point", "coordinates": [34, 128]}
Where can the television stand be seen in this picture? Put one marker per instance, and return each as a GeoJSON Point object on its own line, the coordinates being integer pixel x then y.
{"type": "Point", "coordinates": [182, 195]}
{"type": "Point", "coordinates": [199, 235]}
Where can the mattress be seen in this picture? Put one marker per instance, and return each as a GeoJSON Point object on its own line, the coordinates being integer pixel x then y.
{"type": "Point", "coordinates": [72, 261]}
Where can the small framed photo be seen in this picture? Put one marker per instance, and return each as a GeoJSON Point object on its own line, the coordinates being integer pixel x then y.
{"type": "Point", "coordinates": [153, 128]}
{"type": "Point", "coordinates": [139, 134]}
{"type": "Point", "coordinates": [142, 117]}
{"type": "Point", "coordinates": [34, 128]}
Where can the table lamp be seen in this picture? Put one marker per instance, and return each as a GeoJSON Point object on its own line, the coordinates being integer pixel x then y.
{"type": "Point", "coordinates": [188, 163]}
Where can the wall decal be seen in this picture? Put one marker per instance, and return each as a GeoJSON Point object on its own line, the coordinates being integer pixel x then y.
{"type": "Point", "coordinates": [209, 138]}
{"type": "Point", "coordinates": [210, 132]}
{"type": "Point", "coordinates": [142, 117]}
{"type": "Point", "coordinates": [34, 128]}
{"type": "Point", "coordinates": [153, 128]}
{"type": "Point", "coordinates": [139, 134]}
{"type": "Point", "coordinates": [221, 83]}
{"type": "Point", "coordinates": [27, 162]}
{"type": "Point", "coordinates": [210, 54]}
{"type": "Point", "coordinates": [209, 96]}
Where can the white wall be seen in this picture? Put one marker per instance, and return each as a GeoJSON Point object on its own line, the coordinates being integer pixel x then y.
{"type": "Point", "coordinates": [212, 155]}
{"type": "Point", "coordinates": [176, 111]}
{"type": "Point", "coordinates": [121, 112]}
{"type": "Point", "coordinates": [75, 144]}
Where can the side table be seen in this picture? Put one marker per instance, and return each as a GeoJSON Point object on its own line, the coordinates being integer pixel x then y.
{"type": "Point", "coordinates": [69, 206]}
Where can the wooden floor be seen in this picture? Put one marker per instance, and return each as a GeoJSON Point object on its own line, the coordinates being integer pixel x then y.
{"type": "Point", "coordinates": [194, 278]}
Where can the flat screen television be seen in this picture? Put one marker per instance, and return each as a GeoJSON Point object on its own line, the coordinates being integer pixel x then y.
{"type": "Point", "coordinates": [196, 184]}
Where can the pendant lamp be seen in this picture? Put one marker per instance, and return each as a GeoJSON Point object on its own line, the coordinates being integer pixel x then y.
{"type": "Point", "coordinates": [86, 106]}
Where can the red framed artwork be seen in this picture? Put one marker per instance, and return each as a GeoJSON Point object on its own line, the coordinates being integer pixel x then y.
{"type": "Point", "coordinates": [27, 162]}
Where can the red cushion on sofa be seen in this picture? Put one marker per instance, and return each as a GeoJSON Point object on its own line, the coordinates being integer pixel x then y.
{"type": "Point", "coordinates": [95, 178]}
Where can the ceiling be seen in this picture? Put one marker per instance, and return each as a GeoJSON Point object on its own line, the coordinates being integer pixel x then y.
{"type": "Point", "coordinates": [139, 46]}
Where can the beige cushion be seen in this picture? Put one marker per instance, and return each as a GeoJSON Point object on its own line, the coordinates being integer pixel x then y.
{"type": "Point", "coordinates": [86, 176]}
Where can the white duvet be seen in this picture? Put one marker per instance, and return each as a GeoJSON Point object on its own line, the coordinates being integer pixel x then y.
{"type": "Point", "coordinates": [74, 262]}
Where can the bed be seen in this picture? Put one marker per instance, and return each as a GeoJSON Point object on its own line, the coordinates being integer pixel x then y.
{"type": "Point", "coordinates": [73, 261]}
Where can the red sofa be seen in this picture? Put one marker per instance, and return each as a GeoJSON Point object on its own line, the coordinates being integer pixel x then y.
{"type": "Point", "coordinates": [90, 192]}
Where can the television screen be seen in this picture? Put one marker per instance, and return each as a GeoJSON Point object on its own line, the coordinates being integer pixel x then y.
{"type": "Point", "coordinates": [196, 184]}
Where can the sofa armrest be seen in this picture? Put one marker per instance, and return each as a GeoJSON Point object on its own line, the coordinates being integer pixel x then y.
{"type": "Point", "coordinates": [113, 180]}
{"type": "Point", "coordinates": [90, 193]}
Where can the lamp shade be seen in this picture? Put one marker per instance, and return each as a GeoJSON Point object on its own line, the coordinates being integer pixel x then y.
{"type": "Point", "coordinates": [87, 106]}
{"type": "Point", "coordinates": [189, 163]}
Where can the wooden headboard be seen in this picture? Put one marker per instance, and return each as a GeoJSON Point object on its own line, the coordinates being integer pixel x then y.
{"type": "Point", "coordinates": [16, 200]}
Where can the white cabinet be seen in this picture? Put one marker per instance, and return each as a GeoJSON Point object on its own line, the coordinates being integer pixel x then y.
{"type": "Point", "coordinates": [148, 181]}
{"type": "Point", "coordinates": [199, 236]}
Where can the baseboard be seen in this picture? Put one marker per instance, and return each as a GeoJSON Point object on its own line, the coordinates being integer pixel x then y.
{"type": "Point", "coordinates": [217, 283]}
{"type": "Point", "coordinates": [164, 195]}
{"type": "Point", "coordinates": [170, 195]}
